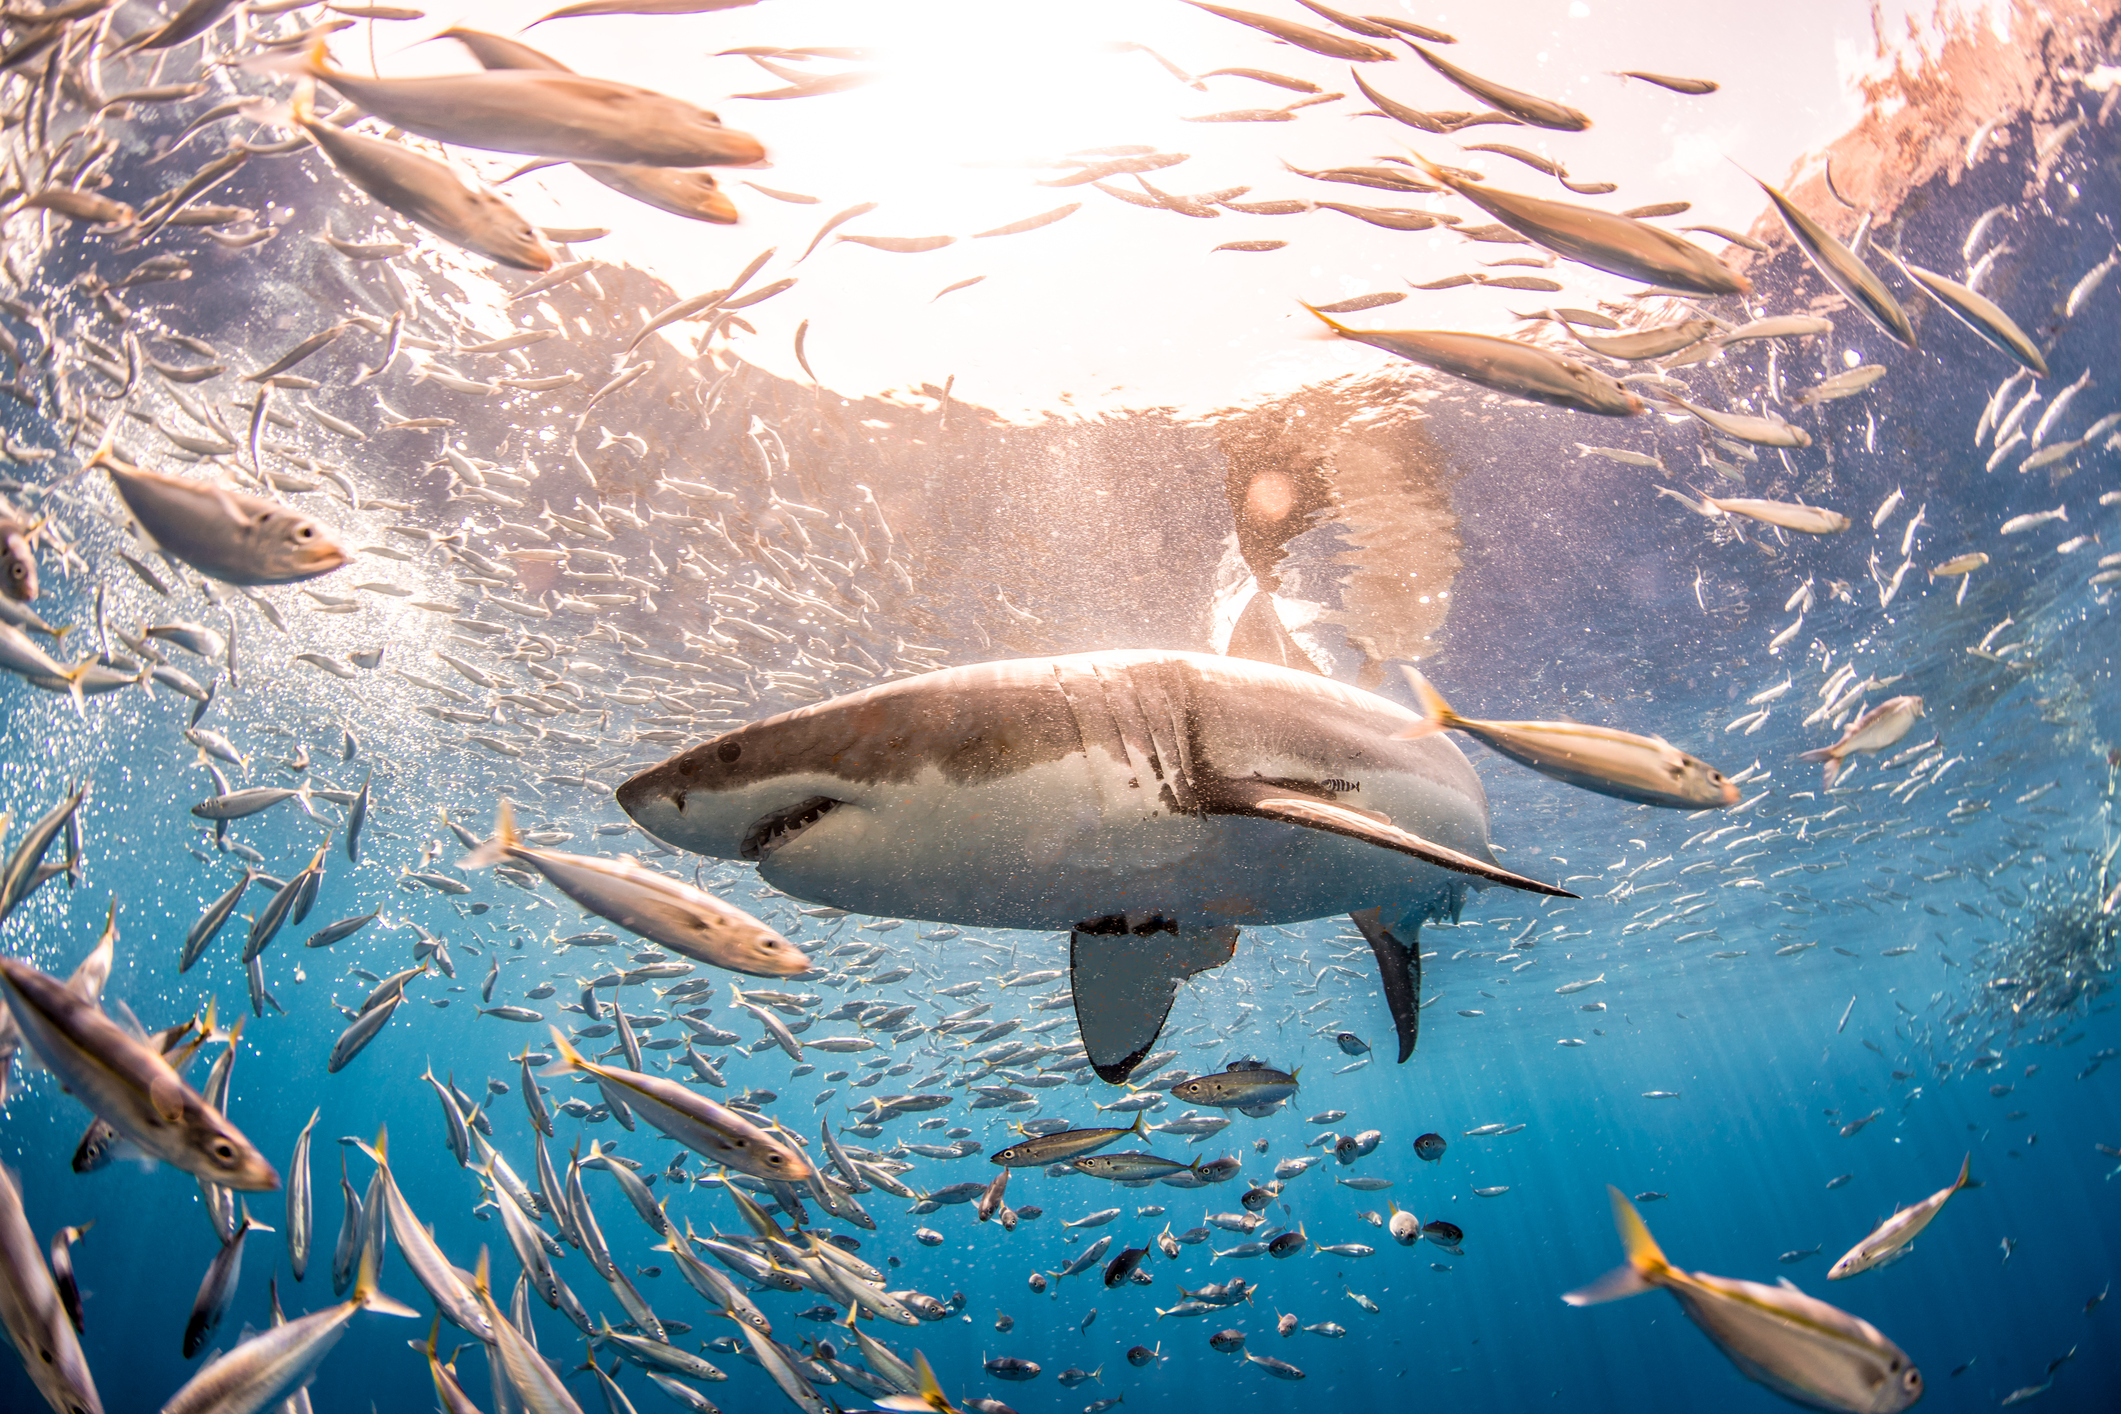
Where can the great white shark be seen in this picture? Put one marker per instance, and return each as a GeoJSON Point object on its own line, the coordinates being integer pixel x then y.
{"type": "Point", "coordinates": [1148, 803]}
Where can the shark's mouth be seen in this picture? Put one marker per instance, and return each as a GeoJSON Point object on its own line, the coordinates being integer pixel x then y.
{"type": "Point", "coordinates": [769, 832]}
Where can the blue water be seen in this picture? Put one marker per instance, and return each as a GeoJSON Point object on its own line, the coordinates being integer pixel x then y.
{"type": "Point", "coordinates": [1581, 595]}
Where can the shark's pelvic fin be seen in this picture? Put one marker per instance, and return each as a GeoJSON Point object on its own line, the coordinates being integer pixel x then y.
{"type": "Point", "coordinates": [1399, 969]}
{"type": "Point", "coordinates": [1125, 974]}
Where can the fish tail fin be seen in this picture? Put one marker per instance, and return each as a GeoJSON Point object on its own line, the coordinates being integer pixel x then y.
{"type": "Point", "coordinates": [1331, 323]}
{"type": "Point", "coordinates": [1699, 508]}
{"type": "Point", "coordinates": [482, 1277]}
{"type": "Point", "coordinates": [367, 1296]}
{"type": "Point", "coordinates": [1136, 1128]}
{"type": "Point", "coordinates": [569, 1056]}
{"type": "Point", "coordinates": [72, 677]}
{"type": "Point", "coordinates": [504, 839]}
{"type": "Point", "coordinates": [931, 1392]}
{"type": "Point", "coordinates": [106, 453]}
{"type": "Point", "coordinates": [1966, 1166]}
{"type": "Point", "coordinates": [1430, 170]}
{"type": "Point", "coordinates": [1436, 713]}
{"type": "Point", "coordinates": [1645, 1261]}
{"type": "Point", "coordinates": [312, 63]}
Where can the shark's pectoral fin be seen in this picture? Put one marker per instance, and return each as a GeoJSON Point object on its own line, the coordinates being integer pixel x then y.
{"type": "Point", "coordinates": [1399, 969]}
{"type": "Point", "coordinates": [1125, 975]}
{"type": "Point", "coordinates": [1272, 802]}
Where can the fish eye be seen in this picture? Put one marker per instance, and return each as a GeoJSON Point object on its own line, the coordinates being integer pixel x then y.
{"type": "Point", "coordinates": [305, 532]}
{"type": "Point", "coordinates": [728, 752]}
{"type": "Point", "coordinates": [224, 1151]}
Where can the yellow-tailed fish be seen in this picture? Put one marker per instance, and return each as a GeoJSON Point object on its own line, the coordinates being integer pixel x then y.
{"type": "Point", "coordinates": [1899, 1229]}
{"type": "Point", "coordinates": [127, 1082]}
{"type": "Point", "coordinates": [534, 1381]}
{"type": "Point", "coordinates": [540, 113]}
{"type": "Point", "coordinates": [1873, 731]}
{"type": "Point", "coordinates": [1521, 370]}
{"type": "Point", "coordinates": [223, 533]}
{"type": "Point", "coordinates": [1646, 343]}
{"type": "Point", "coordinates": [1619, 245]}
{"type": "Point", "coordinates": [1525, 107]}
{"type": "Point", "coordinates": [1645, 769]}
{"type": "Point", "coordinates": [1978, 313]}
{"type": "Point", "coordinates": [429, 193]}
{"type": "Point", "coordinates": [692, 194]}
{"type": "Point", "coordinates": [1789, 515]}
{"type": "Point", "coordinates": [286, 1357]}
{"type": "Point", "coordinates": [1797, 1346]}
{"type": "Point", "coordinates": [33, 1315]}
{"type": "Point", "coordinates": [929, 1396]}
{"type": "Point", "coordinates": [713, 1131]}
{"type": "Point", "coordinates": [1839, 265]}
{"type": "Point", "coordinates": [686, 920]}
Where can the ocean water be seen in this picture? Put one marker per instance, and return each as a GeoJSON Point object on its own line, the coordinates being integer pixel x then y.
{"type": "Point", "coordinates": [1867, 983]}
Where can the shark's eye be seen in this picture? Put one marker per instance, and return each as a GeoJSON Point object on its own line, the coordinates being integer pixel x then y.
{"type": "Point", "coordinates": [728, 752]}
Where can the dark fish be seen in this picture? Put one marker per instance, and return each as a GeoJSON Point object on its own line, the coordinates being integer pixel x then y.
{"type": "Point", "coordinates": [1429, 1147]}
{"type": "Point", "coordinates": [1122, 1267]}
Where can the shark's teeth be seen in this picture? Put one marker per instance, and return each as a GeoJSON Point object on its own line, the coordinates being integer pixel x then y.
{"type": "Point", "coordinates": [770, 832]}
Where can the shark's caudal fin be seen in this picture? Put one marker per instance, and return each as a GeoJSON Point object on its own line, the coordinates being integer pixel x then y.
{"type": "Point", "coordinates": [1399, 970]}
{"type": "Point", "coordinates": [1125, 975]}
{"type": "Point", "coordinates": [1266, 801]}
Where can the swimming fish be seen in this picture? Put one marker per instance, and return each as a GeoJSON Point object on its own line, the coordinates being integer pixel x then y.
{"type": "Point", "coordinates": [127, 1083]}
{"type": "Point", "coordinates": [1693, 88]}
{"type": "Point", "coordinates": [1646, 770]}
{"type": "Point", "coordinates": [1526, 107]}
{"type": "Point", "coordinates": [222, 532]}
{"type": "Point", "coordinates": [686, 920]}
{"type": "Point", "coordinates": [1797, 1346]}
{"type": "Point", "coordinates": [33, 1315]}
{"type": "Point", "coordinates": [1841, 269]}
{"type": "Point", "coordinates": [1978, 313]}
{"type": "Point", "coordinates": [1872, 732]}
{"type": "Point", "coordinates": [538, 112]}
{"type": "Point", "coordinates": [1522, 370]}
{"type": "Point", "coordinates": [1318, 41]}
{"type": "Point", "coordinates": [1898, 1230]}
{"type": "Point", "coordinates": [1811, 520]}
{"type": "Point", "coordinates": [709, 1129]}
{"type": "Point", "coordinates": [1599, 239]}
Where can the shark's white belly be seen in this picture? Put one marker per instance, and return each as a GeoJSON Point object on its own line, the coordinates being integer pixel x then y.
{"type": "Point", "coordinates": [1079, 839]}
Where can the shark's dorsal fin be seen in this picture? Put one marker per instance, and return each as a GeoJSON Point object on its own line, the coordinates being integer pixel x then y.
{"type": "Point", "coordinates": [1260, 635]}
{"type": "Point", "coordinates": [1125, 977]}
